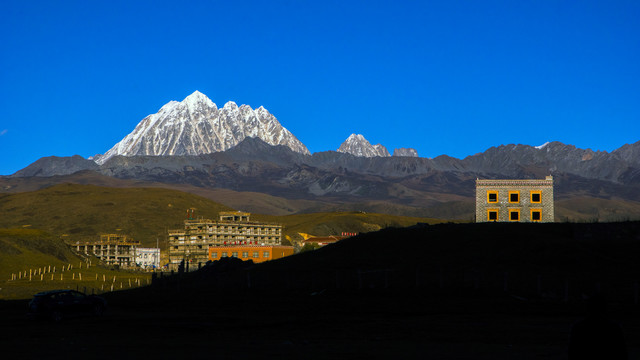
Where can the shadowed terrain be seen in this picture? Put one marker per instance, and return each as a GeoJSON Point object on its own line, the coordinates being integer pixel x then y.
{"type": "Point", "coordinates": [482, 291]}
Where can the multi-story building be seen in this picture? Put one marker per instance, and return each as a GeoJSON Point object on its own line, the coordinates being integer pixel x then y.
{"type": "Point", "coordinates": [514, 200]}
{"type": "Point", "coordinates": [192, 243]}
{"type": "Point", "coordinates": [111, 249]}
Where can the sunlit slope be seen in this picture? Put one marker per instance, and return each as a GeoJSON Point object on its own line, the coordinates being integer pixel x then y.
{"type": "Point", "coordinates": [84, 211]}
{"type": "Point", "coordinates": [324, 224]}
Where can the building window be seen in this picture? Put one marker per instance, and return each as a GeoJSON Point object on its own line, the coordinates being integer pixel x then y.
{"type": "Point", "coordinates": [536, 197]}
{"type": "Point", "coordinates": [265, 254]}
{"type": "Point", "coordinates": [245, 254]}
{"type": "Point", "coordinates": [514, 196]}
{"type": "Point", "coordinates": [492, 215]}
{"type": "Point", "coordinates": [224, 254]}
{"type": "Point", "coordinates": [235, 254]}
{"type": "Point", "coordinates": [514, 215]}
{"type": "Point", "coordinates": [492, 196]}
{"type": "Point", "coordinates": [214, 255]}
{"type": "Point", "coordinates": [256, 254]}
{"type": "Point", "coordinates": [536, 215]}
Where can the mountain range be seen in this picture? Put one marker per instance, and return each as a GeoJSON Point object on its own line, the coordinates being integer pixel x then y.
{"type": "Point", "coordinates": [193, 143]}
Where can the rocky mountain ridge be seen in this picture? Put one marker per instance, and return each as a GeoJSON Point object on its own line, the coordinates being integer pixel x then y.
{"type": "Point", "coordinates": [439, 187]}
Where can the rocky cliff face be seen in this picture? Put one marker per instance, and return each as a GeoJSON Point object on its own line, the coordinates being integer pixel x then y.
{"type": "Point", "coordinates": [357, 145]}
{"type": "Point", "coordinates": [197, 126]}
{"type": "Point", "coordinates": [409, 152]}
{"type": "Point", "coordinates": [54, 165]}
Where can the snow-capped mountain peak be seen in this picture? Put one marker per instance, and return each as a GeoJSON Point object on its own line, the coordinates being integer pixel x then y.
{"type": "Point", "coordinates": [197, 126]}
{"type": "Point", "coordinates": [198, 99]}
{"type": "Point", "coordinates": [357, 145]}
{"type": "Point", "coordinates": [539, 147]}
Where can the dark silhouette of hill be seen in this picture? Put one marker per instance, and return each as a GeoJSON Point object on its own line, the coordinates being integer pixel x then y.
{"type": "Point", "coordinates": [481, 291]}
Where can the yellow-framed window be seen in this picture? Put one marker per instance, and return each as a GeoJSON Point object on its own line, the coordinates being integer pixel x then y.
{"type": "Point", "coordinates": [536, 196]}
{"type": "Point", "coordinates": [514, 197]}
{"type": "Point", "coordinates": [514, 214]}
{"type": "Point", "coordinates": [493, 215]}
{"type": "Point", "coordinates": [536, 215]}
{"type": "Point", "coordinates": [492, 196]}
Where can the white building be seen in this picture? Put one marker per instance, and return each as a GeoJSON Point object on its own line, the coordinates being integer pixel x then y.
{"type": "Point", "coordinates": [148, 258]}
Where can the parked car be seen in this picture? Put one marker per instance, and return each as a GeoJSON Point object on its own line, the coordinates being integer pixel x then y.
{"type": "Point", "coordinates": [59, 304]}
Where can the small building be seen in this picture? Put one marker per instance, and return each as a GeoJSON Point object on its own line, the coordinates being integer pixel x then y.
{"type": "Point", "coordinates": [148, 258]}
{"type": "Point", "coordinates": [257, 253]}
{"type": "Point", "coordinates": [111, 249]}
{"type": "Point", "coordinates": [325, 240]}
{"type": "Point", "coordinates": [515, 200]}
{"type": "Point", "coordinates": [192, 243]}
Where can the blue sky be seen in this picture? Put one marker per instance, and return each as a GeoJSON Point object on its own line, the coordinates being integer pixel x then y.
{"type": "Point", "coordinates": [443, 77]}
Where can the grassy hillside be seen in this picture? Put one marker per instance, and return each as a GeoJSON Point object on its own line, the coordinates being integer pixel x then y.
{"type": "Point", "coordinates": [324, 224]}
{"type": "Point", "coordinates": [84, 211]}
{"type": "Point", "coordinates": [47, 258]}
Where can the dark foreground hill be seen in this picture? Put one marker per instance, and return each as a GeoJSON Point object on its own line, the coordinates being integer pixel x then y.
{"type": "Point", "coordinates": [449, 291]}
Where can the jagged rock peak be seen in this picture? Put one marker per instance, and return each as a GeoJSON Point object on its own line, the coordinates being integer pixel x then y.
{"type": "Point", "coordinates": [197, 126]}
{"type": "Point", "coordinates": [410, 152]}
{"type": "Point", "coordinates": [357, 145]}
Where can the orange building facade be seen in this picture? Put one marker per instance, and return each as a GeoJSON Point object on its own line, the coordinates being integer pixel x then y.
{"type": "Point", "coordinates": [257, 253]}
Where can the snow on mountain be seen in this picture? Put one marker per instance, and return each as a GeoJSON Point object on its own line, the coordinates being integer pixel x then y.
{"type": "Point", "coordinates": [357, 145]}
{"type": "Point", "coordinates": [410, 152]}
{"type": "Point", "coordinates": [540, 147]}
{"type": "Point", "coordinates": [197, 126]}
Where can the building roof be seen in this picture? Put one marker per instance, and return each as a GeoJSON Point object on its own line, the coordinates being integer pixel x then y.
{"type": "Point", "coordinates": [324, 239]}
